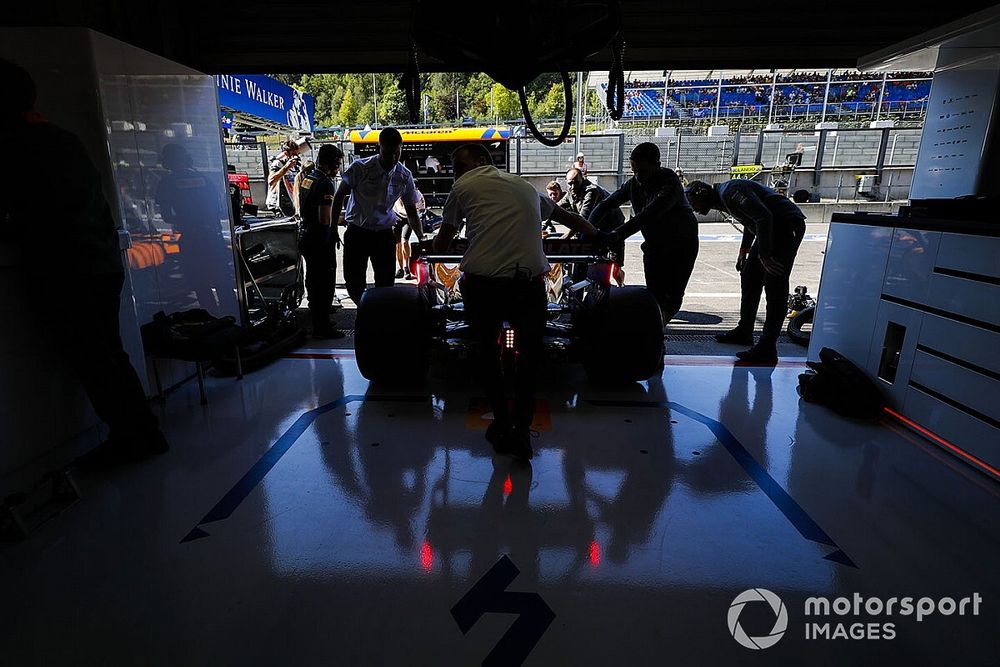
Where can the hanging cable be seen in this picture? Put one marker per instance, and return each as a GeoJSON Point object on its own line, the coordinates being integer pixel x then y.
{"type": "Point", "coordinates": [615, 100]}
{"type": "Point", "coordinates": [567, 120]}
{"type": "Point", "coordinates": [409, 83]}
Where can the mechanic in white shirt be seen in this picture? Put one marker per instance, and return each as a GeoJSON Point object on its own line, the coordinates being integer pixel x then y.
{"type": "Point", "coordinates": [503, 280]}
{"type": "Point", "coordinates": [374, 184]}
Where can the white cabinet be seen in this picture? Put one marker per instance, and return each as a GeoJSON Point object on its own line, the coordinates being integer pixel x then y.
{"type": "Point", "coordinates": [919, 310]}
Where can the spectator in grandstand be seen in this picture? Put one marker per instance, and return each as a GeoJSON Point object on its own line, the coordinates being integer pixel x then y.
{"type": "Point", "coordinates": [503, 279]}
{"type": "Point", "coordinates": [773, 228]}
{"type": "Point", "coordinates": [371, 186]}
{"type": "Point", "coordinates": [667, 222]}
{"type": "Point", "coordinates": [581, 164]}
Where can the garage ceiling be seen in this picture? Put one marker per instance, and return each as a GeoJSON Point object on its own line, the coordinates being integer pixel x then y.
{"type": "Point", "coordinates": [274, 36]}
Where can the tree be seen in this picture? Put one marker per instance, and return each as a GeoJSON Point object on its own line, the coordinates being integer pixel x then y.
{"type": "Point", "coordinates": [505, 102]}
{"type": "Point", "coordinates": [348, 109]}
{"type": "Point", "coordinates": [392, 106]}
{"type": "Point", "coordinates": [550, 105]}
{"type": "Point", "coordinates": [365, 115]}
{"type": "Point", "coordinates": [476, 93]}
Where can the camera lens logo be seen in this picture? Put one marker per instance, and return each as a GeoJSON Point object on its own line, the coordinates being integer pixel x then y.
{"type": "Point", "coordinates": [780, 618]}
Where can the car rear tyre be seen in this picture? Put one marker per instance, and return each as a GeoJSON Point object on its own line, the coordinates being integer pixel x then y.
{"type": "Point", "coordinates": [391, 335]}
{"type": "Point", "coordinates": [624, 337]}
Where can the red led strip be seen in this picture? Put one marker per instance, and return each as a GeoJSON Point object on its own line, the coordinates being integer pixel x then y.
{"type": "Point", "coordinates": [944, 443]}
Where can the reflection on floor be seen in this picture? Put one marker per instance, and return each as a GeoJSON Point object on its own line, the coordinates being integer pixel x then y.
{"type": "Point", "coordinates": [304, 517]}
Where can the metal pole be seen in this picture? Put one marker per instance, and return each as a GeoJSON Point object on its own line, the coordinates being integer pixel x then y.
{"type": "Point", "coordinates": [427, 99]}
{"type": "Point", "coordinates": [826, 95]}
{"type": "Point", "coordinates": [718, 99]}
{"type": "Point", "coordinates": [881, 96]}
{"type": "Point", "coordinates": [493, 106]}
{"type": "Point", "coordinates": [579, 108]}
{"type": "Point", "coordinates": [774, 85]}
{"type": "Point", "coordinates": [666, 86]}
{"type": "Point", "coordinates": [458, 115]}
{"type": "Point", "coordinates": [375, 98]}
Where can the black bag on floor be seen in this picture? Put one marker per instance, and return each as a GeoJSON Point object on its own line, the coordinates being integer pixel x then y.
{"type": "Point", "coordinates": [189, 334]}
{"type": "Point", "coordinates": [838, 384]}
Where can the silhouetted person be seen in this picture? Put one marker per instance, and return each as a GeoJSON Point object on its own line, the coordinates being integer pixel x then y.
{"type": "Point", "coordinates": [194, 208]}
{"type": "Point", "coordinates": [503, 280]}
{"type": "Point", "coordinates": [79, 277]}
{"type": "Point", "coordinates": [319, 239]}
{"type": "Point", "coordinates": [371, 186]}
{"type": "Point", "coordinates": [773, 228]}
{"type": "Point", "coordinates": [668, 225]}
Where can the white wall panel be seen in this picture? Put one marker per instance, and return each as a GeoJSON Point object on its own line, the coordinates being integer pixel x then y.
{"type": "Point", "coordinates": [853, 274]}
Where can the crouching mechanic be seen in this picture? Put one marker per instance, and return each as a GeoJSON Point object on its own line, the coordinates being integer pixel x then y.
{"type": "Point", "coordinates": [668, 225]}
{"type": "Point", "coordinates": [503, 280]}
{"type": "Point", "coordinates": [773, 228]}
{"type": "Point", "coordinates": [320, 238]}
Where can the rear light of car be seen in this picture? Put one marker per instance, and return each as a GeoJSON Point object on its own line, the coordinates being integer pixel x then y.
{"type": "Point", "coordinates": [612, 270]}
{"type": "Point", "coordinates": [509, 339]}
{"type": "Point", "coordinates": [421, 270]}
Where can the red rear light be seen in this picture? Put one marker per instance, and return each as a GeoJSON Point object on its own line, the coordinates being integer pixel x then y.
{"type": "Point", "coordinates": [612, 269]}
{"type": "Point", "coordinates": [426, 556]}
{"type": "Point", "coordinates": [595, 553]}
{"type": "Point", "coordinates": [421, 270]}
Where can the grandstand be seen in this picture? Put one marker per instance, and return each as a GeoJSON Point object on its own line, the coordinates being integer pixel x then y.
{"type": "Point", "coordinates": [766, 96]}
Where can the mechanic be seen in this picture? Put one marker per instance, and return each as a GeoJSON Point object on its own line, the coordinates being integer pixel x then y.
{"type": "Point", "coordinates": [558, 196]}
{"type": "Point", "coordinates": [320, 239]}
{"type": "Point", "coordinates": [583, 197]}
{"type": "Point", "coordinates": [281, 177]}
{"type": "Point", "coordinates": [374, 184]}
{"type": "Point", "coordinates": [503, 280]}
{"type": "Point", "coordinates": [402, 232]}
{"type": "Point", "coordinates": [77, 284]}
{"type": "Point", "coordinates": [669, 227]}
{"type": "Point", "coordinates": [773, 228]}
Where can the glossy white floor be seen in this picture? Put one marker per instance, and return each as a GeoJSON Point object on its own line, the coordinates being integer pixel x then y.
{"type": "Point", "coordinates": [302, 518]}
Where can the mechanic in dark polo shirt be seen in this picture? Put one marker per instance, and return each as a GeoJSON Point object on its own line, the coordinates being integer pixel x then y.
{"type": "Point", "coordinates": [773, 228]}
{"type": "Point", "coordinates": [668, 225]}
{"type": "Point", "coordinates": [583, 197]}
{"type": "Point", "coordinates": [503, 280]}
{"type": "Point", "coordinates": [374, 184]}
{"type": "Point", "coordinates": [320, 238]}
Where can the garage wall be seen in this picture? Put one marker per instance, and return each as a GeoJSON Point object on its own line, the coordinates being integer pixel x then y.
{"type": "Point", "coordinates": [124, 105]}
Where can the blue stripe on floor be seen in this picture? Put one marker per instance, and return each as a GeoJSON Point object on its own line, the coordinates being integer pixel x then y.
{"type": "Point", "coordinates": [236, 495]}
{"type": "Point", "coordinates": [794, 512]}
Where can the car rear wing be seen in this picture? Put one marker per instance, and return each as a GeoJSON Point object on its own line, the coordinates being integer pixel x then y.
{"type": "Point", "coordinates": [556, 250]}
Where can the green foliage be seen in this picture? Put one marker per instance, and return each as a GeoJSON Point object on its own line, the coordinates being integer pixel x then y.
{"type": "Point", "coordinates": [347, 99]}
{"type": "Point", "coordinates": [550, 105]}
{"type": "Point", "coordinates": [348, 109]}
{"type": "Point", "coordinates": [392, 106]}
{"type": "Point", "coordinates": [506, 102]}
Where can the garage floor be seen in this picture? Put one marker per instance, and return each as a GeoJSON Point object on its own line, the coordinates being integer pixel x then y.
{"type": "Point", "coordinates": [305, 518]}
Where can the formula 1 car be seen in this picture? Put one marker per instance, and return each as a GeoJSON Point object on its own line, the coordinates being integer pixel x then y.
{"type": "Point", "coordinates": [616, 332]}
